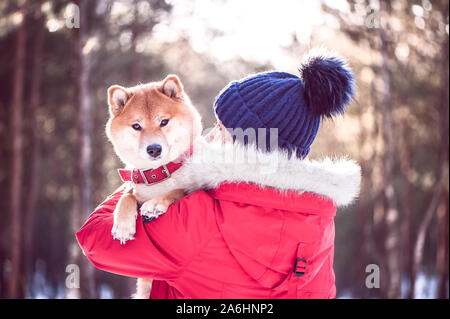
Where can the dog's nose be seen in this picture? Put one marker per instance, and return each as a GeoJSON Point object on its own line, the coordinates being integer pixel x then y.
{"type": "Point", "coordinates": [154, 150]}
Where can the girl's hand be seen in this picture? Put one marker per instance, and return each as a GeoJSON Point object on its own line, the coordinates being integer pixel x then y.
{"type": "Point", "coordinates": [219, 133]}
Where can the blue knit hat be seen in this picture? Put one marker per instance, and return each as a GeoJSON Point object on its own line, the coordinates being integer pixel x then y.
{"type": "Point", "coordinates": [287, 102]}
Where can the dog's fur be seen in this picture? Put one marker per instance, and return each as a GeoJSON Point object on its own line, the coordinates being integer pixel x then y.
{"type": "Point", "coordinates": [147, 106]}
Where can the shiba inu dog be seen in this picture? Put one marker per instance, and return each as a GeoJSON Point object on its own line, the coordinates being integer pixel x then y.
{"type": "Point", "coordinates": [152, 127]}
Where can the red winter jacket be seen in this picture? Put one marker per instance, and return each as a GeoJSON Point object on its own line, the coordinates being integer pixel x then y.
{"type": "Point", "coordinates": [238, 240]}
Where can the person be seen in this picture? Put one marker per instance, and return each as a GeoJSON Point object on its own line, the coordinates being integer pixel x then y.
{"type": "Point", "coordinates": [262, 224]}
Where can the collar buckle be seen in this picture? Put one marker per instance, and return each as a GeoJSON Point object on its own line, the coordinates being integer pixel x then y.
{"type": "Point", "coordinates": [165, 170]}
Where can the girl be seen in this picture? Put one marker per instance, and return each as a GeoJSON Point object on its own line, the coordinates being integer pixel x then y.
{"type": "Point", "coordinates": [263, 225]}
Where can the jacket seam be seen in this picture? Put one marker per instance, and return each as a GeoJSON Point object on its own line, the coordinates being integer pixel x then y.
{"type": "Point", "coordinates": [283, 228]}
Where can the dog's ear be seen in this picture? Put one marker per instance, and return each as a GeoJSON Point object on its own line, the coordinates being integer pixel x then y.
{"type": "Point", "coordinates": [172, 87]}
{"type": "Point", "coordinates": [117, 98]}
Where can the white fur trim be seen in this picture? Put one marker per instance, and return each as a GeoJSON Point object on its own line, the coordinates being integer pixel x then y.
{"type": "Point", "coordinates": [214, 163]}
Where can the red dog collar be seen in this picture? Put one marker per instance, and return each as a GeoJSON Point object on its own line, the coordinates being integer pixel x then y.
{"type": "Point", "coordinates": [149, 176]}
{"type": "Point", "coordinates": [152, 176]}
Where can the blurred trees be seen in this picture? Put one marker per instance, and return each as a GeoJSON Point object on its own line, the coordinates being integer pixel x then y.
{"type": "Point", "coordinates": [83, 175]}
{"type": "Point", "coordinates": [15, 282]}
{"type": "Point", "coordinates": [31, 200]}
{"type": "Point", "coordinates": [56, 163]}
{"type": "Point", "coordinates": [406, 94]}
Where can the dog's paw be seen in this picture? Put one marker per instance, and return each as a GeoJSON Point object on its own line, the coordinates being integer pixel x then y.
{"type": "Point", "coordinates": [124, 228]}
{"type": "Point", "coordinates": [153, 208]}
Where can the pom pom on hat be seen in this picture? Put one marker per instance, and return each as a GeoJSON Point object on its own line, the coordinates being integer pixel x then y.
{"type": "Point", "coordinates": [328, 82]}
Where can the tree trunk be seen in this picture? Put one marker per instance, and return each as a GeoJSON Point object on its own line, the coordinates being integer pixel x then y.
{"type": "Point", "coordinates": [15, 289]}
{"type": "Point", "coordinates": [443, 216]}
{"type": "Point", "coordinates": [367, 251]}
{"type": "Point", "coordinates": [440, 172]}
{"type": "Point", "coordinates": [33, 180]}
{"type": "Point", "coordinates": [135, 34]}
{"type": "Point", "coordinates": [443, 253]}
{"type": "Point", "coordinates": [83, 185]}
{"type": "Point", "coordinates": [442, 249]}
{"type": "Point", "coordinates": [391, 240]}
{"type": "Point", "coordinates": [406, 218]}
{"type": "Point", "coordinates": [421, 234]}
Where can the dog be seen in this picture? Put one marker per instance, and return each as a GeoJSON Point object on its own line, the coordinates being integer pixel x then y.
{"type": "Point", "coordinates": [152, 128]}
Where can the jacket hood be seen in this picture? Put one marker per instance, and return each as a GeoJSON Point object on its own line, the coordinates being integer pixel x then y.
{"type": "Point", "coordinates": [214, 163]}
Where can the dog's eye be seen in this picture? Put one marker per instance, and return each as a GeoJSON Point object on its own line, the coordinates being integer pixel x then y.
{"type": "Point", "coordinates": [164, 123]}
{"type": "Point", "coordinates": [136, 126]}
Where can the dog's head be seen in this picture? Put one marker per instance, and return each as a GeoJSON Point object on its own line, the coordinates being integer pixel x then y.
{"type": "Point", "coordinates": [151, 124]}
